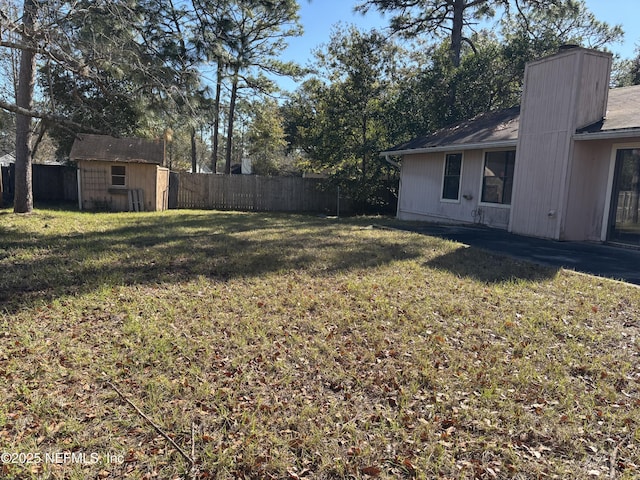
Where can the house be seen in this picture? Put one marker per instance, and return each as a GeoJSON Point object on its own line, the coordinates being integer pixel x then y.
{"type": "Point", "coordinates": [7, 159]}
{"type": "Point", "coordinates": [120, 174]}
{"type": "Point", "coordinates": [564, 165]}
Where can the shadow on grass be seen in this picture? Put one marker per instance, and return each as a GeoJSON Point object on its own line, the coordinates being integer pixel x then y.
{"type": "Point", "coordinates": [488, 267]}
{"type": "Point", "coordinates": [176, 247]}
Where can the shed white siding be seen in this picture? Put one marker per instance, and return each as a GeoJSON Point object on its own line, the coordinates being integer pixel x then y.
{"type": "Point", "coordinates": [561, 93]}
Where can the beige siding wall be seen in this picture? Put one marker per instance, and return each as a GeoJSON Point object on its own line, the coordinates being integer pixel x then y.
{"type": "Point", "coordinates": [162, 188]}
{"type": "Point", "coordinates": [559, 92]}
{"type": "Point", "coordinates": [421, 191]}
{"type": "Point", "coordinates": [98, 193]}
{"type": "Point", "coordinates": [538, 184]}
{"type": "Point", "coordinates": [594, 89]}
{"type": "Point", "coordinates": [587, 192]}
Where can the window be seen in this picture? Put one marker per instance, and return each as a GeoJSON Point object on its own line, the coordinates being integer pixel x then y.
{"type": "Point", "coordinates": [118, 176]}
{"type": "Point", "coordinates": [497, 180]}
{"type": "Point", "coordinates": [452, 173]}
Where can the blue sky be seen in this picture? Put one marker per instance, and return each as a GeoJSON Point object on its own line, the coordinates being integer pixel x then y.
{"type": "Point", "coordinates": [319, 16]}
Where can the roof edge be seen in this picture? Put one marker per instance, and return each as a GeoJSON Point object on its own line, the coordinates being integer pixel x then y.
{"type": "Point", "coordinates": [451, 148]}
{"type": "Point", "coordinates": [608, 134]}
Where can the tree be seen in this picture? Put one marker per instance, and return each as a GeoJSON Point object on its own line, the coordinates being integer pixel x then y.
{"type": "Point", "coordinates": [23, 202]}
{"type": "Point", "coordinates": [266, 139]}
{"type": "Point", "coordinates": [42, 35]}
{"type": "Point", "coordinates": [627, 72]}
{"type": "Point", "coordinates": [421, 101]}
{"type": "Point", "coordinates": [437, 17]}
{"type": "Point", "coordinates": [337, 118]}
{"type": "Point", "coordinates": [212, 39]}
{"type": "Point", "coordinates": [490, 74]}
{"type": "Point", "coordinates": [257, 35]}
{"type": "Point", "coordinates": [180, 150]}
{"type": "Point", "coordinates": [172, 28]}
{"type": "Point", "coordinates": [9, 65]}
{"type": "Point", "coordinates": [9, 58]}
{"type": "Point", "coordinates": [634, 70]}
{"type": "Point", "coordinates": [529, 33]}
{"type": "Point", "coordinates": [7, 132]}
{"type": "Point", "coordinates": [456, 18]}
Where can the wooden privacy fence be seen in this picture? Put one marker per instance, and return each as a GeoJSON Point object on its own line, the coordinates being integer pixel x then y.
{"type": "Point", "coordinates": [253, 192]}
{"type": "Point", "coordinates": [50, 183]}
{"type": "Point", "coordinates": [200, 190]}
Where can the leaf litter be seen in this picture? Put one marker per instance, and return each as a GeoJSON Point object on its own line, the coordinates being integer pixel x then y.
{"type": "Point", "coordinates": [355, 362]}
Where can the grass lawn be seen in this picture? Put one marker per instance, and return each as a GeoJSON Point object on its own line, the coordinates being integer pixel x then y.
{"type": "Point", "coordinates": [290, 347]}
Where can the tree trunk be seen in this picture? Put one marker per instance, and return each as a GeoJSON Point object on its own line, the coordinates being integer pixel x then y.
{"type": "Point", "coordinates": [459, 7]}
{"type": "Point", "coordinates": [232, 109]}
{"type": "Point", "coordinates": [23, 198]}
{"type": "Point", "coordinates": [194, 151]}
{"type": "Point", "coordinates": [216, 120]}
{"type": "Point", "coordinates": [364, 149]}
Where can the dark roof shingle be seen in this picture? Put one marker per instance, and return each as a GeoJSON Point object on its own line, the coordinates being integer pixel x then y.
{"type": "Point", "coordinates": [110, 149]}
{"type": "Point", "coordinates": [491, 127]}
{"type": "Point", "coordinates": [623, 113]}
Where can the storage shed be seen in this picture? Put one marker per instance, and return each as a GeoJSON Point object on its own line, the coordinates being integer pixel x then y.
{"type": "Point", "coordinates": [120, 174]}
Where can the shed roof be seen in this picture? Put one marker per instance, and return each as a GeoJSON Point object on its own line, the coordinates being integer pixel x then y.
{"type": "Point", "coordinates": [500, 128]}
{"type": "Point", "coordinates": [7, 159]}
{"type": "Point", "coordinates": [109, 149]}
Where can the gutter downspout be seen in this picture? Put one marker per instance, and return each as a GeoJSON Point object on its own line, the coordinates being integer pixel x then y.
{"type": "Point", "coordinates": [391, 162]}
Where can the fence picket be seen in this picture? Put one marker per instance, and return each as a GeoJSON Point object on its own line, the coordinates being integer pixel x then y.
{"type": "Point", "coordinates": [202, 191]}
{"type": "Point", "coordinates": [253, 192]}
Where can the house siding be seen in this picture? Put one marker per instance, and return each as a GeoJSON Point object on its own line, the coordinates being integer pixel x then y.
{"type": "Point", "coordinates": [421, 190]}
{"type": "Point", "coordinates": [565, 156]}
{"type": "Point", "coordinates": [594, 89]}
{"type": "Point", "coordinates": [587, 191]}
{"type": "Point", "coordinates": [560, 94]}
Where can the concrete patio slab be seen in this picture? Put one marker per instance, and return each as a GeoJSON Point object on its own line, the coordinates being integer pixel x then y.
{"type": "Point", "coordinates": [595, 259]}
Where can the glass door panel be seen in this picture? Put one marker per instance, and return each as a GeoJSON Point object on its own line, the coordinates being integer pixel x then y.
{"type": "Point", "coordinates": [624, 223]}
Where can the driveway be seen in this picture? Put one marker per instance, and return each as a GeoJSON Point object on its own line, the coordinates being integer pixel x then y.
{"type": "Point", "coordinates": [595, 259]}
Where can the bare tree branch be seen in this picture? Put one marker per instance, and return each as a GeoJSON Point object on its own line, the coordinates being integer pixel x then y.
{"type": "Point", "coordinates": [50, 117]}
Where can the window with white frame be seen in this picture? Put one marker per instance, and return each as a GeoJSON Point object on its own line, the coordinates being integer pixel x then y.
{"type": "Point", "coordinates": [451, 177]}
{"type": "Point", "coordinates": [497, 179]}
{"type": "Point", "coordinates": [118, 176]}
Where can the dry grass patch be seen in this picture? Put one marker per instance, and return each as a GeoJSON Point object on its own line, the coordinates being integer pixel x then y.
{"type": "Point", "coordinates": [272, 346]}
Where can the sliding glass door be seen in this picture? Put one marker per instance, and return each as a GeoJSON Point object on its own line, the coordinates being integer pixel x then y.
{"type": "Point", "coordinates": [624, 224]}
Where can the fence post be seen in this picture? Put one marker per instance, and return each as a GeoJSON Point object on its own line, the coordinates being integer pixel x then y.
{"type": "Point", "coordinates": [244, 192]}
